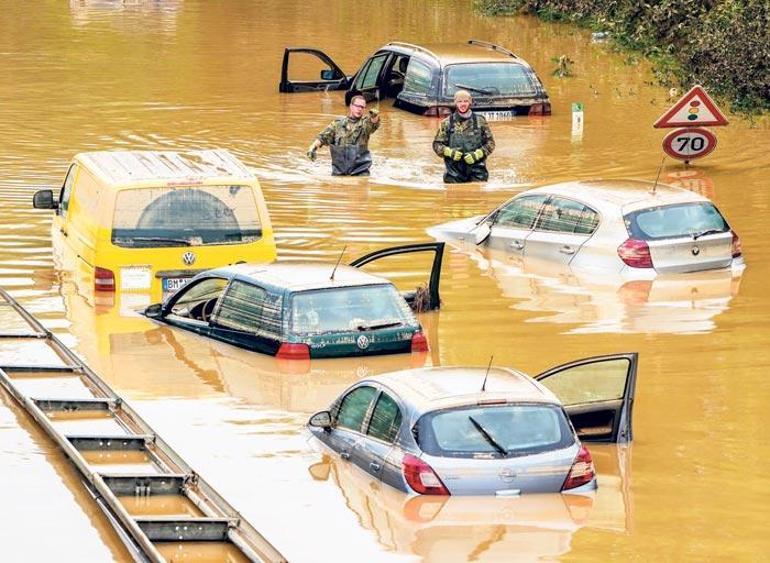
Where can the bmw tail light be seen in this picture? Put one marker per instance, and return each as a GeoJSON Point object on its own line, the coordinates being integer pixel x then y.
{"type": "Point", "coordinates": [421, 477]}
{"type": "Point", "coordinates": [635, 253]}
{"type": "Point", "coordinates": [581, 472]}
{"type": "Point", "coordinates": [737, 249]}
{"type": "Point", "coordinates": [293, 351]}
{"type": "Point", "coordinates": [419, 342]}
{"type": "Point", "coordinates": [104, 279]}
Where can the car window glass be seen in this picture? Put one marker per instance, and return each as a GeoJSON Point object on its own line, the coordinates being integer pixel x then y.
{"type": "Point", "coordinates": [418, 78]}
{"type": "Point", "coordinates": [368, 77]}
{"type": "Point", "coordinates": [567, 216]}
{"type": "Point", "coordinates": [675, 221]}
{"type": "Point", "coordinates": [386, 418]}
{"type": "Point", "coordinates": [249, 308]}
{"type": "Point", "coordinates": [193, 298]}
{"type": "Point", "coordinates": [519, 429]}
{"type": "Point", "coordinates": [66, 190]}
{"type": "Point", "coordinates": [589, 383]}
{"type": "Point", "coordinates": [521, 212]}
{"type": "Point", "coordinates": [354, 407]}
{"type": "Point", "coordinates": [490, 79]}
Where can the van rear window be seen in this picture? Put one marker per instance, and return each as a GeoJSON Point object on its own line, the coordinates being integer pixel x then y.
{"type": "Point", "coordinates": [185, 216]}
{"type": "Point", "coordinates": [671, 221]}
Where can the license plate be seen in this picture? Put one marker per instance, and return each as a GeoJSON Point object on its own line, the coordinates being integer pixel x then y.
{"type": "Point", "coordinates": [497, 115]}
{"type": "Point", "coordinates": [170, 285]}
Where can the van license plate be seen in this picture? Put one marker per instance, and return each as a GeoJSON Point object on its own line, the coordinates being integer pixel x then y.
{"type": "Point", "coordinates": [497, 115]}
{"type": "Point", "coordinates": [170, 285]}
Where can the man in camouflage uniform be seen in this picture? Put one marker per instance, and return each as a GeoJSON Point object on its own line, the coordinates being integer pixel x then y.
{"type": "Point", "coordinates": [348, 140]}
{"type": "Point", "coordinates": [464, 140]}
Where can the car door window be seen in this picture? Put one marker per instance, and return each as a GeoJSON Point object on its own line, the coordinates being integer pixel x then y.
{"type": "Point", "coordinates": [386, 419]}
{"type": "Point", "coordinates": [197, 301]}
{"type": "Point", "coordinates": [243, 307]}
{"type": "Point", "coordinates": [418, 79]}
{"type": "Point", "coordinates": [590, 383]}
{"type": "Point", "coordinates": [521, 212]}
{"type": "Point", "coordinates": [354, 407]}
{"type": "Point", "coordinates": [567, 216]}
{"type": "Point", "coordinates": [368, 76]}
{"type": "Point", "coordinates": [66, 191]}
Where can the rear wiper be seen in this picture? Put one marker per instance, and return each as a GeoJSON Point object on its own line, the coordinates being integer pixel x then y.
{"type": "Point", "coordinates": [488, 437]}
{"type": "Point", "coordinates": [696, 236]}
{"type": "Point", "coordinates": [473, 89]}
{"type": "Point", "coordinates": [373, 326]}
{"type": "Point", "coordinates": [178, 241]}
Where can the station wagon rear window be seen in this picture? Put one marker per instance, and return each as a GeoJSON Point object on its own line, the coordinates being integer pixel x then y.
{"type": "Point", "coordinates": [671, 221]}
{"type": "Point", "coordinates": [515, 429]}
{"type": "Point", "coordinates": [490, 79]}
{"type": "Point", "coordinates": [168, 216]}
{"type": "Point", "coordinates": [348, 308]}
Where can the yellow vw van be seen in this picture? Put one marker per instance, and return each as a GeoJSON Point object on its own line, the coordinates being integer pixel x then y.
{"type": "Point", "coordinates": [147, 221]}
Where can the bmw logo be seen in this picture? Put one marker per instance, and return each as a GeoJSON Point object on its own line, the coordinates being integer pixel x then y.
{"type": "Point", "coordinates": [695, 250]}
{"type": "Point", "coordinates": [362, 342]}
{"type": "Point", "coordinates": [188, 258]}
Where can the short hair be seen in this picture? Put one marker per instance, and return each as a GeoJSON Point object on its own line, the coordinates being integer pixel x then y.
{"type": "Point", "coordinates": [463, 95]}
{"type": "Point", "coordinates": [357, 97]}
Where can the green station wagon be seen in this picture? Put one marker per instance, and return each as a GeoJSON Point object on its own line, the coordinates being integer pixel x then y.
{"type": "Point", "coordinates": [305, 310]}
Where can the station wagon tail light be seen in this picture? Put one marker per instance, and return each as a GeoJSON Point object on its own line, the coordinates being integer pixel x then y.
{"type": "Point", "coordinates": [293, 351]}
{"type": "Point", "coordinates": [635, 253]}
{"type": "Point", "coordinates": [540, 109]}
{"type": "Point", "coordinates": [421, 476]}
{"type": "Point", "coordinates": [419, 342]}
{"type": "Point", "coordinates": [104, 279]}
{"type": "Point", "coordinates": [581, 472]}
{"type": "Point", "coordinates": [737, 249]}
{"type": "Point", "coordinates": [438, 111]}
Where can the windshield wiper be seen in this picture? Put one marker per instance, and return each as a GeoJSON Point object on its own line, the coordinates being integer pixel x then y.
{"type": "Point", "coordinates": [177, 241]}
{"type": "Point", "coordinates": [696, 236]}
{"type": "Point", "coordinates": [488, 437]}
{"type": "Point", "coordinates": [377, 324]}
{"type": "Point", "coordinates": [473, 89]}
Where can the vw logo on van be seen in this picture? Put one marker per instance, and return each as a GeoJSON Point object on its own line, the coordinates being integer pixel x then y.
{"type": "Point", "coordinates": [188, 258]}
{"type": "Point", "coordinates": [362, 342]}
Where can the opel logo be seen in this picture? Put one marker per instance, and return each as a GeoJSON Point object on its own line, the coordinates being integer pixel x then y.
{"type": "Point", "coordinates": [362, 342]}
{"type": "Point", "coordinates": [188, 258]}
{"type": "Point", "coordinates": [695, 250]}
{"type": "Point", "coordinates": [507, 474]}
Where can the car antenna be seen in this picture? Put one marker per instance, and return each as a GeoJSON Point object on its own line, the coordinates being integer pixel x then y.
{"type": "Point", "coordinates": [483, 385]}
{"type": "Point", "coordinates": [660, 169]}
{"type": "Point", "coordinates": [338, 262]}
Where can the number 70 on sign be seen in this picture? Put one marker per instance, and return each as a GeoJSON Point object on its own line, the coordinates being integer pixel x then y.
{"type": "Point", "coordinates": [689, 143]}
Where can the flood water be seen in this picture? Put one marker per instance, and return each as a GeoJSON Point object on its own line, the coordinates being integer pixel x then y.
{"type": "Point", "coordinates": [93, 75]}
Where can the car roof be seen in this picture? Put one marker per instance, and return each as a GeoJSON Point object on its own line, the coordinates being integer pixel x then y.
{"type": "Point", "coordinates": [628, 194]}
{"type": "Point", "coordinates": [300, 276]}
{"type": "Point", "coordinates": [125, 167]}
{"type": "Point", "coordinates": [452, 53]}
{"type": "Point", "coordinates": [428, 389]}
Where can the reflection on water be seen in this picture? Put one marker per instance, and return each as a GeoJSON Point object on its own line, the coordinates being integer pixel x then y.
{"type": "Point", "coordinates": [93, 75]}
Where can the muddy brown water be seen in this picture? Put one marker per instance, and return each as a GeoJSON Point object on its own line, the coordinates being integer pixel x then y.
{"type": "Point", "coordinates": [90, 75]}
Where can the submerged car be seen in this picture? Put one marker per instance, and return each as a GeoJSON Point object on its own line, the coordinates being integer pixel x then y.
{"type": "Point", "coordinates": [473, 431]}
{"type": "Point", "coordinates": [636, 228]}
{"type": "Point", "coordinates": [305, 310]}
{"type": "Point", "coordinates": [423, 79]}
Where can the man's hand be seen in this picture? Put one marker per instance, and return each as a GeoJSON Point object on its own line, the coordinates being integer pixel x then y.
{"type": "Point", "coordinates": [454, 154]}
{"type": "Point", "coordinates": [473, 157]}
{"type": "Point", "coordinates": [374, 115]}
{"type": "Point", "coordinates": [311, 151]}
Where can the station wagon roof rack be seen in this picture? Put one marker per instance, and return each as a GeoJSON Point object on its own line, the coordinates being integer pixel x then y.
{"type": "Point", "coordinates": [492, 46]}
{"type": "Point", "coordinates": [413, 46]}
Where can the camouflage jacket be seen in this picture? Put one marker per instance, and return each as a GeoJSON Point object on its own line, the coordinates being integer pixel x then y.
{"type": "Point", "coordinates": [347, 131]}
{"type": "Point", "coordinates": [465, 136]}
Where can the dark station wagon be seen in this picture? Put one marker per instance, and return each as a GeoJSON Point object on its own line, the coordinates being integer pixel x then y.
{"type": "Point", "coordinates": [305, 310]}
{"type": "Point", "coordinates": [423, 80]}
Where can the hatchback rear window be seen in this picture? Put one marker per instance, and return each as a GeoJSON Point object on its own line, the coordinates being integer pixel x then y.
{"type": "Point", "coordinates": [671, 221]}
{"type": "Point", "coordinates": [490, 79]}
{"type": "Point", "coordinates": [348, 308]}
{"type": "Point", "coordinates": [506, 430]}
{"type": "Point", "coordinates": [167, 216]}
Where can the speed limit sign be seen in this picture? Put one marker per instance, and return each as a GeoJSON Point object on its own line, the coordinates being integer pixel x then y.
{"type": "Point", "coordinates": [689, 143]}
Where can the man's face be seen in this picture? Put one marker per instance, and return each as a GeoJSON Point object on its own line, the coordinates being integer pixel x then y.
{"type": "Point", "coordinates": [357, 108]}
{"type": "Point", "coordinates": [463, 104]}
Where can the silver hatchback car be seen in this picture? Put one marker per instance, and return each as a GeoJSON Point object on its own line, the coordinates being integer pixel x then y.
{"type": "Point", "coordinates": [473, 431]}
{"type": "Point", "coordinates": [631, 227]}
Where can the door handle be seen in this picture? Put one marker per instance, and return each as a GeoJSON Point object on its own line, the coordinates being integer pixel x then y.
{"type": "Point", "coordinates": [567, 250]}
{"type": "Point", "coordinates": [344, 454]}
{"type": "Point", "coordinates": [517, 244]}
{"type": "Point", "coordinates": [374, 466]}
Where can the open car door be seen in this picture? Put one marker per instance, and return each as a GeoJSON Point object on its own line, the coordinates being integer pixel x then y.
{"type": "Point", "coordinates": [331, 77]}
{"type": "Point", "coordinates": [598, 395]}
{"type": "Point", "coordinates": [420, 299]}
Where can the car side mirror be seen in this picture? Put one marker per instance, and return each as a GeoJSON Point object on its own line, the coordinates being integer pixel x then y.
{"type": "Point", "coordinates": [153, 311]}
{"type": "Point", "coordinates": [328, 74]}
{"type": "Point", "coordinates": [43, 199]}
{"type": "Point", "coordinates": [321, 419]}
